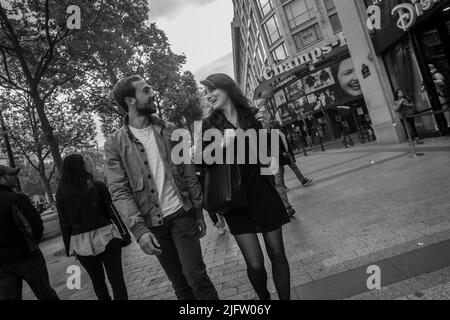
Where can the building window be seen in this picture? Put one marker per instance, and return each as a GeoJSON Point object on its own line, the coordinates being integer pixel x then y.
{"type": "Point", "coordinates": [265, 6]}
{"type": "Point", "coordinates": [272, 30]}
{"type": "Point", "coordinates": [307, 36]}
{"type": "Point", "coordinates": [299, 11]}
{"type": "Point", "coordinates": [329, 5]}
{"type": "Point", "coordinates": [335, 23]}
{"type": "Point", "coordinates": [279, 53]}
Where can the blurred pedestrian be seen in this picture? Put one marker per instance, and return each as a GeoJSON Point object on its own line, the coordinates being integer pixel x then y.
{"type": "Point", "coordinates": [345, 134]}
{"type": "Point", "coordinates": [255, 206]}
{"type": "Point", "coordinates": [405, 108]}
{"type": "Point", "coordinates": [291, 163]}
{"type": "Point", "coordinates": [21, 230]}
{"type": "Point", "coordinates": [283, 160]}
{"type": "Point", "coordinates": [89, 227]}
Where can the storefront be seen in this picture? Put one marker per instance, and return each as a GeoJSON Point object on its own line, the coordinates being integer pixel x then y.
{"type": "Point", "coordinates": [413, 38]}
{"type": "Point", "coordinates": [324, 102]}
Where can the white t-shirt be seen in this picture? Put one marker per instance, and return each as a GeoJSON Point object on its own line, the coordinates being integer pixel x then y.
{"type": "Point", "coordinates": [167, 195]}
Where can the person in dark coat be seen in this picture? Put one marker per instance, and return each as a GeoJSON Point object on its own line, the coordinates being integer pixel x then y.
{"type": "Point", "coordinates": [89, 227]}
{"type": "Point", "coordinates": [265, 212]}
{"type": "Point", "coordinates": [21, 230]}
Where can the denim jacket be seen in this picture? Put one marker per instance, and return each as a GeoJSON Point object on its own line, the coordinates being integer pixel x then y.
{"type": "Point", "coordinates": [132, 184]}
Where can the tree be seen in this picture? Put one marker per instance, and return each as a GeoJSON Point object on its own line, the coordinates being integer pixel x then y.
{"type": "Point", "coordinates": [41, 55]}
{"type": "Point", "coordinates": [186, 101]}
{"type": "Point", "coordinates": [73, 132]}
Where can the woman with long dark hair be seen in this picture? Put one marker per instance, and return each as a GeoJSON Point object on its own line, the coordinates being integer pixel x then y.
{"type": "Point", "coordinates": [405, 107]}
{"type": "Point", "coordinates": [86, 219]}
{"type": "Point", "coordinates": [264, 212]}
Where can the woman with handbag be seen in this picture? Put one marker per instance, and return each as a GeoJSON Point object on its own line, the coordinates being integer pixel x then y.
{"type": "Point", "coordinates": [91, 228]}
{"type": "Point", "coordinates": [404, 107]}
{"type": "Point", "coordinates": [249, 201]}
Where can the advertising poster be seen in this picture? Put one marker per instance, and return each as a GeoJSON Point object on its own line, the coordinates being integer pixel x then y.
{"type": "Point", "coordinates": [318, 80]}
{"type": "Point", "coordinates": [325, 88]}
{"type": "Point", "coordinates": [280, 98]}
{"type": "Point", "coordinates": [295, 90]}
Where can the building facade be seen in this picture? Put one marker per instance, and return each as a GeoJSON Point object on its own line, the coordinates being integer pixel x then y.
{"type": "Point", "coordinates": [292, 56]}
{"type": "Point", "coordinates": [406, 45]}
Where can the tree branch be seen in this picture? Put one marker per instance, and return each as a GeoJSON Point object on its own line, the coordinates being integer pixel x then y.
{"type": "Point", "coordinates": [50, 176]}
{"type": "Point", "coordinates": [11, 34]}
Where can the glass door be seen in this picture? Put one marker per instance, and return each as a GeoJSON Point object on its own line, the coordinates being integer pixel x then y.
{"type": "Point", "coordinates": [434, 45]}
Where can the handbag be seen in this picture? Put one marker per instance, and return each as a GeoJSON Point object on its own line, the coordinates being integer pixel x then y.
{"type": "Point", "coordinates": [223, 189]}
{"type": "Point", "coordinates": [121, 227]}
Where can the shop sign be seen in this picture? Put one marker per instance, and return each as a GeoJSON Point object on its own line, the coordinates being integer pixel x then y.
{"type": "Point", "coordinates": [407, 13]}
{"type": "Point", "coordinates": [311, 57]}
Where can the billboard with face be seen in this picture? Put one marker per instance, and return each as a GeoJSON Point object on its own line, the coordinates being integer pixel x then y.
{"type": "Point", "coordinates": [325, 88]}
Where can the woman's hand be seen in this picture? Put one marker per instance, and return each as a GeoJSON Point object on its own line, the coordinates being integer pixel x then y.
{"type": "Point", "coordinates": [264, 117]}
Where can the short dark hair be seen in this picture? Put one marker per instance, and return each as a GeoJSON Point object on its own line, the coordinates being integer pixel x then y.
{"type": "Point", "coordinates": [125, 89]}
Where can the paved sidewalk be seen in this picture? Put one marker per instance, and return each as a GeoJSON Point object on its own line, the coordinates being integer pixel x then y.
{"type": "Point", "coordinates": [369, 203]}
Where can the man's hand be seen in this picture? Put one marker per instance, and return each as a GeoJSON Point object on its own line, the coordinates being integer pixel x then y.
{"type": "Point", "coordinates": [202, 226]}
{"type": "Point", "coordinates": [150, 245]}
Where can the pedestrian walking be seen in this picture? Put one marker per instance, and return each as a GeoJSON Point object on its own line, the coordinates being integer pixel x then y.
{"type": "Point", "coordinates": [291, 163]}
{"type": "Point", "coordinates": [89, 227]}
{"type": "Point", "coordinates": [260, 208]}
{"type": "Point", "coordinates": [162, 202]}
{"type": "Point", "coordinates": [283, 160]}
{"type": "Point", "coordinates": [347, 141]}
{"type": "Point", "coordinates": [405, 108]}
{"type": "Point", "coordinates": [21, 230]}
{"type": "Point", "coordinates": [320, 135]}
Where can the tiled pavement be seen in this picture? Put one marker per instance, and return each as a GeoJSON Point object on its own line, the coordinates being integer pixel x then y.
{"type": "Point", "coordinates": [368, 203]}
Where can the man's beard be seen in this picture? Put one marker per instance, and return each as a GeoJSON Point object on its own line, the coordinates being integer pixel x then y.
{"type": "Point", "coordinates": [146, 109]}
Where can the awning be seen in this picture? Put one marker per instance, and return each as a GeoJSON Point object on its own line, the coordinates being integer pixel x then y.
{"type": "Point", "coordinates": [266, 88]}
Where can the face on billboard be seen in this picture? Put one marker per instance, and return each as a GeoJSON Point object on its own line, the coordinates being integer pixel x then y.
{"type": "Point", "coordinates": [347, 78]}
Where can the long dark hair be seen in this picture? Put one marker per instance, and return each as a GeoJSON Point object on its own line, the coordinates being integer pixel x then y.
{"type": "Point", "coordinates": [73, 195]}
{"type": "Point", "coordinates": [404, 95]}
{"type": "Point", "coordinates": [242, 104]}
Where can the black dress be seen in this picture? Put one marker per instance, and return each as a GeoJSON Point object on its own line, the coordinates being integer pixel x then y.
{"type": "Point", "coordinates": [265, 211]}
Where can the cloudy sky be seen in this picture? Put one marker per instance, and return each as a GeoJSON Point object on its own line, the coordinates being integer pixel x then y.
{"type": "Point", "coordinates": [201, 29]}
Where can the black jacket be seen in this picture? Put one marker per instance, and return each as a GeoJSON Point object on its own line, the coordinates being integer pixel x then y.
{"type": "Point", "coordinates": [13, 244]}
{"type": "Point", "coordinates": [99, 213]}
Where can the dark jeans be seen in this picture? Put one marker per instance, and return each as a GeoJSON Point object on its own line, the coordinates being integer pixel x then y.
{"type": "Point", "coordinates": [412, 125]}
{"type": "Point", "coordinates": [111, 259]}
{"type": "Point", "coordinates": [182, 258]}
{"type": "Point", "coordinates": [34, 271]}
